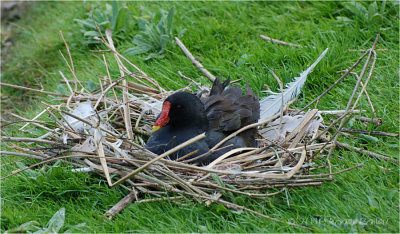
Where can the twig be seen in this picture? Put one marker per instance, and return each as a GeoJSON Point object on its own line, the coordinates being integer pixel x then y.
{"type": "Point", "coordinates": [350, 102]}
{"type": "Point", "coordinates": [333, 173]}
{"type": "Point", "coordinates": [370, 132]}
{"type": "Point", "coordinates": [100, 151]}
{"type": "Point", "coordinates": [108, 88]}
{"type": "Point", "coordinates": [94, 125]}
{"type": "Point", "coordinates": [109, 79]}
{"type": "Point", "coordinates": [339, 112]}
{"type": "Point", "coordinates": [366, 93]}
{"type": "Point", "coordinates": [194, 60]}
{"type": "Point", "coordinates": [187, 78]}
{"type": "Point", "coordinates": [20, 154]}
{"type": "Point", "coordinates": [178, 147]}
{"type": "Point", "coordinates": [35, 118]}
{"type": "Point", "coordinates": [33, 90]}
{"type": "Point", "coordinates": [283, 98]}
{"type": "Point", "coordinates": [362, 50]}
{"type": "Point", "coordinates": [159, 199]}
{"type": "Point", "coordinates": [72, 68]}
{"type": "Point", "coordinates": [334, 84]}
{"type": "Point", "coordinates": [376, 121]}
{"type": "Point", "coordinates": [124, 202]}
{"type": "Point", "coordinates": [203, 155]}
{"type": "Point", "coordinates": [243, 129]}
{"type": "Point", "coordinates": [369, 153]}
{"type": "Point", "coordinates": [33, 121]}
{"type": "Point", "coordinates": [25, 139]}
{"type": "Point", "coordinates": [280, 42]}
{"type": "Point", "coordinates": [127, 119]}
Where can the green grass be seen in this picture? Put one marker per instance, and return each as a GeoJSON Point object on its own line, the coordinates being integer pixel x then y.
{"type": "Point", "coordinates": [218, 34]}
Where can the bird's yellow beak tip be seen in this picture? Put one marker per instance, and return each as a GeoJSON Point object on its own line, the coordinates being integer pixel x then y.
{"type": "Point", "coordinates": [155, 128]}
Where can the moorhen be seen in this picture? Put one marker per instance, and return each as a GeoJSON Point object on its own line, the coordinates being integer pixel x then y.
{"type": "Point", "coordinates": [222, 112]}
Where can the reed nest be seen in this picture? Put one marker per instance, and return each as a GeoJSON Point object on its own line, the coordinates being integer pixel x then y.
{"type": "Point", "coordinates": [109, 140]}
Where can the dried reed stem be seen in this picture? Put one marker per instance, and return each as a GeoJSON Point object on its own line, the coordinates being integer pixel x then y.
{"type": "Point", "coordinates": [366, 152]}
{"type": "Point", "coordinates": [33, 90]}
{"type": "Point", "coordinates": [280, 42]}
{"type": "Point", "coordinates": [124, 202]}
{"type": "Point", "coordinates": [334, 84]}
{"type": "Point", "coordinates": [194, 60]}
{"type": "Point", "coordinates": [178, 147]}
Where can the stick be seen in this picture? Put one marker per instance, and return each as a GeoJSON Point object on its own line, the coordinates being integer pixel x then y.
{"type": "Point", "coordinates": [366, 93]}
{"type": "Point", "coordinates": [100, 151]}
{"type": "Point", "coordinates": [35, 118]}
{"type": "Point", "coordinates": [370, 132]}
{"type": "Point", "coordinates": [187, 78]}
{"type": "Point", "coordinates": [243, 129]}
{"type": "Point", "coordinates": [33, 90]}
{"type": "Point", "coordinates": [334, 84]}
{"type": "Point", "coordinates": [350, 102]}
{"type": "Point", "coordinates": [33, 121]}
{"type": "Point", "coordinates": [184, 144]}
{"type": "Point", "coordinates": [283, 98]}
{"type": "Point", "coordinates": [19, 154]}
{"type": "Point", "coordinates": [369, 153]}
{"type": "Point", "coordinates": [25, 139]}
{"type": "Point", "coordinates": [127, 119]}
{"type": "Point", "coordinates": [93, 125]}
{"type": "Point", "coordinates": [159, 199]}
{"type": "Point", "coordinates": [71, 61]}
{"type": "Point", "coordinates": [124, 202]}
{"type": "Point", "coordinates": [339, 112]}
{"type": "Point", "coordinates": [194, 60]}
{"type": "Point", "coordinates": [333, 173]}
{"type": "Point", "coordinates": [361, 50]}
{"type": "Point", "coordinates": [376, 121]}
{"type": "Point", "coordinates": [280, 42]}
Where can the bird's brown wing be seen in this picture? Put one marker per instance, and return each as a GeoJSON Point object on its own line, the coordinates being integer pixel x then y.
{"type": "Point", "coordinates": [227, 110]}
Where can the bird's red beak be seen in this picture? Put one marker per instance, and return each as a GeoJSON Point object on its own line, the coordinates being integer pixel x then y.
{"type": "Point", "coordinates": [164, 118]}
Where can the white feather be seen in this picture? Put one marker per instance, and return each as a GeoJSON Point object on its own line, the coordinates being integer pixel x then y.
{"type": "Point", "coordinates": [272, 104]}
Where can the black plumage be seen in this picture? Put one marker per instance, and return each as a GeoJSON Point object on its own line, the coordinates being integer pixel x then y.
{"type": "Point", "coordinates": [224, 111]}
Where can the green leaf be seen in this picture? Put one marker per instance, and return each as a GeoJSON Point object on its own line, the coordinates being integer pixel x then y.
{"type": "Point", "coordinates": [242, 60]}
{"type": "Point", "coordinates": [29, 172]}
{"type": "Point", "coordinates": [142, 23]}
{"type": "Point", "coordinates": [114, 16]}
{"type": "Point", "coordinates": [373, 204]}
{"type": "Point", "coordinates": [91, 34]}
{"type": "Point", "coordinates": [122, 18]}
{"type": "Point", "coordinates": [383, 6]}
{"type": "Point", "coordinates": [57, 221]}
{"type": "Point", "coordinates": [343, 18]}
{"type": "Point", "coordinates": [217, 179]}
{"type": "Point", "coordinates": [86, 23]}
{"type": "Point", "coordinates": [76, 228]}
{"type": "Point", "coordinates": [28, 226]}
{"type": "Point", "coordinates": [169, 20]}
{"type": "Point", "coordinates": [372, 10]}
{"type": "Point", "coordinates": [138, 50]}
{"type": "Point", "coordinates": [154, 55]}
{"type": "Point", "coordinates": [163, 41]}
{"type": "Point", "coordinates": [140, 40]}
{"type": "Point", "coordinates": [368, 138]}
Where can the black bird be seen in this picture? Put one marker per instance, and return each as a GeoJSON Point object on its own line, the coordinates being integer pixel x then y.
{"type": "Point", "coordinates": [224, 111]}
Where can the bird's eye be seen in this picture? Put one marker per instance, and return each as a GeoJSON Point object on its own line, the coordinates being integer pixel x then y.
{"type": "Point", "coordinates": [179, 107]}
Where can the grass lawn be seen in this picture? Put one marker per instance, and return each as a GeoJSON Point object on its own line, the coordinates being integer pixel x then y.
{"type": "Point", "coordinates": [224, 36]}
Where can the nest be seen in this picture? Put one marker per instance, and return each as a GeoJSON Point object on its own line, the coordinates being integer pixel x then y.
{"type": "Point", "coordinates": [104, 131]}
